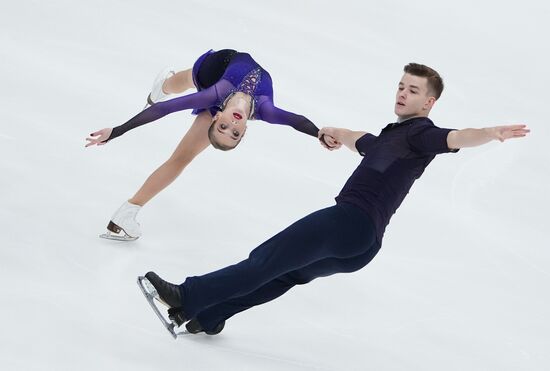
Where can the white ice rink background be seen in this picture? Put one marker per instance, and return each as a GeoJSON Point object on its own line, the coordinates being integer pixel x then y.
{"type": "Point", "coordinates": [463, 277]}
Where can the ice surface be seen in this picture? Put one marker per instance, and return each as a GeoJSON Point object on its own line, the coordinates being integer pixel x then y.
{"type": "Point", "coordinates": [462, 280]}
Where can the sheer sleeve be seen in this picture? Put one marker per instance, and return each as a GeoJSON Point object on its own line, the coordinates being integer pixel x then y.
{"type": "Point", "coordinates": [274, 115]}
{"type": "Point", "coordinates": [202, 99]}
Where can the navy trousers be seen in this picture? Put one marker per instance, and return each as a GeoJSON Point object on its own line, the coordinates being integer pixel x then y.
{"type": "Point", "coordinates": [337, 239]}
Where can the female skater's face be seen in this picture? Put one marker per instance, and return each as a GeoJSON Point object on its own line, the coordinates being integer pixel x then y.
{"type": "Point", "coordinates": [230, 126]}
{"type": "Point", "coordinates": [413, 98]}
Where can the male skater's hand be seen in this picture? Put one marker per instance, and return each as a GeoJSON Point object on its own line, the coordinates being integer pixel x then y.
{"type": "Point", "coordinates": [508, 132]}
{"type": "Point", "coordinates": [100, 137]}
{"type": "Point", "coordinates": [342, 136]}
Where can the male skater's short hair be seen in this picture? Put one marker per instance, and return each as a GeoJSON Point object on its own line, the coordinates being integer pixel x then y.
{"type": "Point", "coordinates": [435, 82]}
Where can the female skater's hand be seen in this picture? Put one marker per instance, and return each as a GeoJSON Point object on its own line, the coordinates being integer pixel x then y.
{"type": "Point", "coordinates": [328, 141]}
{"type": "Point", "coordinates": [100, 137]}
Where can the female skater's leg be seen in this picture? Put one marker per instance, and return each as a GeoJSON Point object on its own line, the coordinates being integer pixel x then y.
{"type": "Point", "coordinates": [178, 83]}
{"type": "Point", "coordinates": [193, 143]}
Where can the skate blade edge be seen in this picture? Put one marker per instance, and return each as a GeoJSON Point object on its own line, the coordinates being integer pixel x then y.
{"type": "Point", "coordinates": [114, 237]}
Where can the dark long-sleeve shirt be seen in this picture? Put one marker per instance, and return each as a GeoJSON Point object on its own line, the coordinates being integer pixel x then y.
{"type": "Point", "coordinates": [392, 162]}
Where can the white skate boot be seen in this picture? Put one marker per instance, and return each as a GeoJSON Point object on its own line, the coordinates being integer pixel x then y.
{"type": "Point", "coordinates": [157, 94]}
{"type": "Point", "coordinates": [123, 225]}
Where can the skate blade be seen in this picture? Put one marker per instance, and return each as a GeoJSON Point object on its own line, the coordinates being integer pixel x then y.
{"type": "Point", "coordinates": [114, 232]}
{"type": "Point", "coordinates": [151, 295]}
{"type": "Point", "coordinates": [115, 237]}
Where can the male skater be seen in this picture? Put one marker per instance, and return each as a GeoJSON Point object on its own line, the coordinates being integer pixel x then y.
{"type": "Point", "coordinates": [341, 238]}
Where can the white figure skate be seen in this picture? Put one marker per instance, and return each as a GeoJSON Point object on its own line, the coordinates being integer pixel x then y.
{"type": "Point", "coordinates": [123, 225]}
{"type": "Point", "coordinates": [157, 94]}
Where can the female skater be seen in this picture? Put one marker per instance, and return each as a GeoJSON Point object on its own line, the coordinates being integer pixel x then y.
{"type": "Point", "coordinates": [231, 89]}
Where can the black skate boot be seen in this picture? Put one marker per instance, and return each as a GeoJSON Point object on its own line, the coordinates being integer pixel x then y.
{"type": "Point", "coordinates": [170, 295]}
{"type": "Point", "coordinates": [194, 327]}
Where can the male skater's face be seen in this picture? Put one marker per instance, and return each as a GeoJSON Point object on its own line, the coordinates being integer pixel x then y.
{"type": "Point", "coordinates": [413, 98]}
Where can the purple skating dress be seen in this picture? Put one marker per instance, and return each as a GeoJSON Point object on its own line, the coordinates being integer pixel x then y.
{"type": "Point", "coordinates": [242, 74]}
